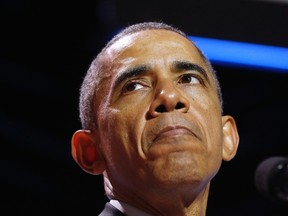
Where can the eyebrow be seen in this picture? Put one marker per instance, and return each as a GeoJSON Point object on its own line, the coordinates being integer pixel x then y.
{"type": "Point", "coordinates": [184, 65]}
{"type": "Point", "coordinates": [143, 69]}
{"type": "Point", "coordinates": [132, 72]}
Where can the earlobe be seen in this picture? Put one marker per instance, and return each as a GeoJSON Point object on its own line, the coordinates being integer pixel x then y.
{"type": "Point", "coordinates": [230, 137]}
{"type": "Point", "coordinates": [86, 153]}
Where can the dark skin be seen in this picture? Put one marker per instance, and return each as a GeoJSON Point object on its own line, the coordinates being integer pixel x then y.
{"type": "Point", "coordinates": [161, 136]}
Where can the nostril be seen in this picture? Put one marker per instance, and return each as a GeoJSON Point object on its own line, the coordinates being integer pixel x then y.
{"type": "Point", "coordinates": [161, 109]}
{"type": "Point", "coordinates": [179, 106]}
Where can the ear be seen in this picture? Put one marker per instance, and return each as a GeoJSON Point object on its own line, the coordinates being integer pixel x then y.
{"type": "Point", "coordinates": [230, 137]}
{"type": "Point", "coordinates": [86, 153]}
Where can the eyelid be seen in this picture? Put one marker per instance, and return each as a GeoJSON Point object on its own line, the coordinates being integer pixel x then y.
{"type": "Point", "coordinates": [194, 75]}
{"type": "Point", "coordinates": [133, 81]}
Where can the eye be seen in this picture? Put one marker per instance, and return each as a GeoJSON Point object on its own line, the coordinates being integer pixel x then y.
{"type": "Point", "coordinates": [132, 86]}
{"type": "Point", "coordinates": [190, 78]}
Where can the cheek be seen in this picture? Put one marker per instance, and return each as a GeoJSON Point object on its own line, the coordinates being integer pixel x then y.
{"type": "Point", "coordinates": [129, 114]}
{"type": "Point", "coordinates": [214, 139]}
{"type": "Point", "coordinates": [207, 109]}
{"type": "Point", "coordinates": [122, 148]}
{"type": "Point", "coordinates": [123, 132]}
{"type": "Point", "coordinates": [207, 101]}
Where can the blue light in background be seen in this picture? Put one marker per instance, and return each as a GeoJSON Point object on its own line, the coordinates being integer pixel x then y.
{"type": "Point", "coordinates": [241, 54]}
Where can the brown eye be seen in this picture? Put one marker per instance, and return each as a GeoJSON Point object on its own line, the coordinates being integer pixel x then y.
{"type": "Point", "coordinates": [132, 87]}
{"type": "Point", "coordinates": [189, 78]}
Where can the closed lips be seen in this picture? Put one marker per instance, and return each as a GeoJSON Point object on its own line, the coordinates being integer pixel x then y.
{"type": "Point", "coordinates": [172, 131]}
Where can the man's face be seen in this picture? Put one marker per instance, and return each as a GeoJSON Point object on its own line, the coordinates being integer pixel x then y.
{"type": "Point", "coordinates": [159, 115]}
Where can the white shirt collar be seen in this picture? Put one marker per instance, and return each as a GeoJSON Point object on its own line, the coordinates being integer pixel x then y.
{"type": "Point", "coordinates": [128, 209]}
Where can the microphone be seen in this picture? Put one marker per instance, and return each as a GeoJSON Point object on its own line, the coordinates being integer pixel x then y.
{"type": "Point", "coordinates": [271, 179]}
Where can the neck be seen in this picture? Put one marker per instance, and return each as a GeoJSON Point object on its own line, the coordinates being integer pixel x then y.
{"type": "Point", "coordinates": [173, 202]}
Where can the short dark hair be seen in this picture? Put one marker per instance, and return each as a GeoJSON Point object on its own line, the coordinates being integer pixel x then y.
{"type": "Point", "coordinates": [91, 80]}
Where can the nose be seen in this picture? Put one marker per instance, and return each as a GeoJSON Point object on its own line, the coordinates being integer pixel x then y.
{"type": "Point", "coordinates": [167, 99]}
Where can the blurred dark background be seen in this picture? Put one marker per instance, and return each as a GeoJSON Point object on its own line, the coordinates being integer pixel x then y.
{"type": "Point", "coordinates": [46, 48]}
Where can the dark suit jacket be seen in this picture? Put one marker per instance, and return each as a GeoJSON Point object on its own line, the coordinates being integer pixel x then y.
{"type": "Point", "coordinates": [110, 210]}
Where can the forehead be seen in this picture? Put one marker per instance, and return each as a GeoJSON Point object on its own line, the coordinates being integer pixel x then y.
{"type": "Point", "coordinates": [152, 41]}
{"type": "Point", "coordinates": [148, 47]}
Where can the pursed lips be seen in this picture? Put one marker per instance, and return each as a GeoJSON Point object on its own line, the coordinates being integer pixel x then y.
{"type": "Point", "coordinates": [172, 131]}
{"type": "Point", "coordinates": [170, 126]}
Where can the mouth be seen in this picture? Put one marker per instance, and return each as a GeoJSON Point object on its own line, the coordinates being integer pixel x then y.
{"type": "Point", "coordinates": [172, 132]}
